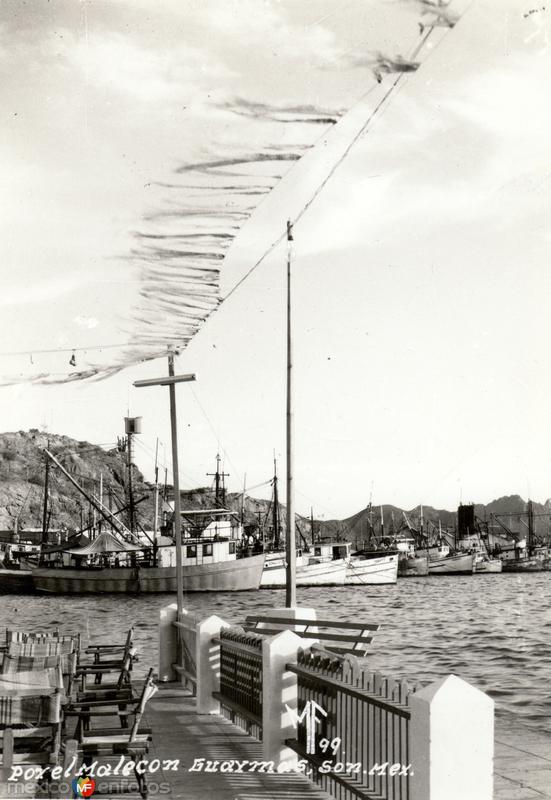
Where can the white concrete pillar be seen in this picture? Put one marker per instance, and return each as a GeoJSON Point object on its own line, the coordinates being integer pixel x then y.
{"type": "Point", "coordinates": [279, 697]}
{"type": "Point", "coordinates": [451, 736]}
{"type": "Point", "coordinates": [168, 642]}
{"type": "Point", "coordinates": [208, 664]}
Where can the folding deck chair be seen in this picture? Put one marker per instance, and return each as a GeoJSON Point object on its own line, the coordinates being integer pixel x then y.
{"type": "Point", "coordinates": [114, 742]}
{"type": "Point", "coordinates": [30, 730]}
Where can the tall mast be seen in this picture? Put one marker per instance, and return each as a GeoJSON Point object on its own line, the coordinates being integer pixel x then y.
{"type": "Point", "coordinates": [290, 583]}
{"type": "Point", "coordinates": [156, 508]}
{"type": "Point", "coordinates": [530, 527]}
{"type": "Point", "coordinates": [243, 500]}
{"type": "Point", "coordinates": [312, 532]}
{"type": "Point", "coordinates": [130, 487]}
{"type": "Point", "coordinates": [100, 496]}
{"type": "Point", "coordinates": [382, 524]}
{"type": "Point", "coordinates": [45, 507]}
{"type": "Point", "coordinates": [275, 511]}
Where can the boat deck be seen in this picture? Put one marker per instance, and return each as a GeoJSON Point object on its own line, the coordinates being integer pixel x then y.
{"type": "Point", "coordinates": [522, 757]}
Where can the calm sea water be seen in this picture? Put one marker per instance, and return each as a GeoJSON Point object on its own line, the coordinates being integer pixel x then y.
{"type": "Point", "coordinates": [492, 630]}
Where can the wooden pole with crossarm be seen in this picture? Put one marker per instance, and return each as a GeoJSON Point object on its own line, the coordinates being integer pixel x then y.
{"type": "Point", "coordinates": [171, 380]}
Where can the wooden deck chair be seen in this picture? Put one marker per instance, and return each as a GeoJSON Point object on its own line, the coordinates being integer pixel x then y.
{"type": "Point", "coordinates": [111, 652]}
{"type": "Point", "coordinates": [121, 686]}
{"type": "Point", "coordinates": [86, 711]}
{"type": "Point", "coordinates": [30, 730]}
{"type": "Point", "coordinates": [110, 656]}
{"type": "Point", "coordinates": [132, 741]}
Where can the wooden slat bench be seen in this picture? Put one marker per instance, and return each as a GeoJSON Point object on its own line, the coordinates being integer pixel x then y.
{"type": "Point", "coordinates": [331, 634]}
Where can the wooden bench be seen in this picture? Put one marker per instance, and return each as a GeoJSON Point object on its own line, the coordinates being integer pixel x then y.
{"type": "Point", "coordinates": [332, 635]}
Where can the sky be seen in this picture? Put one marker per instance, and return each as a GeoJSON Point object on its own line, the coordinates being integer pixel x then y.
{"type": "Point", "coordinates": [420, 270]}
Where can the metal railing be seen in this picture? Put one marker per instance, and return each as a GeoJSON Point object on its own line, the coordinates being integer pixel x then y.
{"type": "Point", "coordinates": [240, 692]}
{"type": "Point", "coordinates": [360, 728]}
{"type": "Point", "coordinates": [186, 666]}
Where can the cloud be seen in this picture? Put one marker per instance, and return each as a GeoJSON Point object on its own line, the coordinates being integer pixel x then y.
{"type": "Point", "coordinates": [87, 323]}
{"type": "Point", "coordinates": [114, 61]}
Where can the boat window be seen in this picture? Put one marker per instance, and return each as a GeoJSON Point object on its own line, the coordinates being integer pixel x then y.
{"type": "Point", "coordinates": [191, 551]}
{"type": "Point", "coordinates": [207, 549]}
{"type": "Point", "coordinates": [317, 551]}
{"type": "Point", "coordinates": [232, 547]}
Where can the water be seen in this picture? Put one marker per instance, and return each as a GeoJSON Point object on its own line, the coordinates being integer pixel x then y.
{"type": "Point", "coordinates": [492, 630]}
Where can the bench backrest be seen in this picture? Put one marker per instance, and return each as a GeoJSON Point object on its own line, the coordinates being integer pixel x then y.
{"type": "Point", "coordinates": [336, 636]}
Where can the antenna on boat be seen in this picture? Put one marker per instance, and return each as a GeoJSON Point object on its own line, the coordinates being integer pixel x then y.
{"type": "Point", "coordinates": [290, 583]}
{"type": "Point", "coordinates": [219, 485]}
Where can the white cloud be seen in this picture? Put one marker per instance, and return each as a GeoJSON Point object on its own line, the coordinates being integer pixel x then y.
{"type": "Point", "coordinates": [87, 323]}
{"type": "Point", "coordinates": [114, 61]}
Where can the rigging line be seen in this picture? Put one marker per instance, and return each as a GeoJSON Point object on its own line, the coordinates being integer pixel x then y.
{"type": "Point", "coordinates": [401, 78]}
{"type": "Point", "coordinates": [328, 16]}
{"type": "Point", "coordinates": [150, 452]}
{"type": "Point", "coordinates": [216, 436]}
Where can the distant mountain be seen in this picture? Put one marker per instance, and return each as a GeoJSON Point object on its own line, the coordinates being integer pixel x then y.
{"type": "Point", "coordinates": [22, 474]}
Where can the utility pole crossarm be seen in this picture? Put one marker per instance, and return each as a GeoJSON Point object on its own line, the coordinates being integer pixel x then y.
{"type": "Point", "coordinates": [167, 380]}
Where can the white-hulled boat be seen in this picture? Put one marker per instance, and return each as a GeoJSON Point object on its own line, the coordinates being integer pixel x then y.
{"type": "Point", "coordinates": [452, 564]}
{"type": "Point", "coordinates": [214, 559]}
{"type": "Point", "coordinates": [371, 569]}
{"type": "Point", "coordinates": [410, 563]}
{"type": "Point", "coordinates": [325, 564]}
{"type": "Point", "coordinates": [484, 564]}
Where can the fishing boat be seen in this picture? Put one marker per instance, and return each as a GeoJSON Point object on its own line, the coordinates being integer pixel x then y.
{"type": "Point", "coordinates": [523, 553]}
{"type": "Point", "coordinates": [452, 564]}
{"type": "Point", "coordinates": [472, 539]}
{"type": "Point", "coordinates": [370, 568]}
{"type": "Point", "coordinates": [214, 558]}
{"type": "Point", "coordinates": [16, 581]}
{"type": "Point", "coordinates": [324, 564]}
{"type": "Point", "coordinates": [484, 564]}
{"type": "Point", "coordinates": [410, 563]}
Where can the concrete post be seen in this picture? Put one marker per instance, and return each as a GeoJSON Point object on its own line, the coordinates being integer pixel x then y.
{"type": "Point", "coordinates": [208, 664]}
{"type": "Point", "coordinates": [279, 697]}
{"type": "Point", "coordinates": [451, 742]}
{"type": "Point", "coordinates": [168, 642]}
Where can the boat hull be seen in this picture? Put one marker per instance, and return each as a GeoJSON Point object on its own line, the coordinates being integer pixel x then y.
{"type": "Point", "coordinates": [16, 581]}
{"type": "Point", "coordinates": [527, 565]}
{"type": "Point", "coordinates": [372, 571]}
{"type": "Point", "coordinates": [452, 565]}
{"type": "Point", "coordinates": [415, 567]}
{"type": "Point", "coordinates": [494, 565]}
{"type": "Point", "coordinates": [227, 576]}
{"type": "Point", "coordinates": [324, 573]}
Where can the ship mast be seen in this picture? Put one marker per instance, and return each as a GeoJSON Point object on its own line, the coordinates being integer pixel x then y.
{"type": "Point", "coordinates": [275, 511]}
{"type": "Point", "coordinates": [290, 583]}
{"type": "Point", "coordinates": [45, 507]}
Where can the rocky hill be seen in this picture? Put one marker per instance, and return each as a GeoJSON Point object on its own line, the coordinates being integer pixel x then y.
{"type": "Point", "coordinates": [22, 476]}
{"type": "Point", "coordinates": [22, 479]}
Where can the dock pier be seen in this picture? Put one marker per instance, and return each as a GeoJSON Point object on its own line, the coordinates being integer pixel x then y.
{"type": "Point", "coordinates": [521, 771]}
{"type": "Point", "coordinates": [232, 695]}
